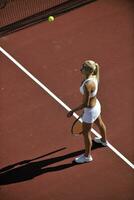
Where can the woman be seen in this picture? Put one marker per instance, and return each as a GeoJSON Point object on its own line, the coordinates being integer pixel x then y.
{"type": "Point", "coordinates": [92, 109]}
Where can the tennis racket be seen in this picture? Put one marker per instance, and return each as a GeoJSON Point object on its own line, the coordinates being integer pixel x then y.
{"type": "Point", "coordinates": [76, 128]}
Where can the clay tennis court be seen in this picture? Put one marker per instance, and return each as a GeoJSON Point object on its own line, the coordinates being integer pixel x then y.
{"type": "Point", "coordinates": [37, 148]}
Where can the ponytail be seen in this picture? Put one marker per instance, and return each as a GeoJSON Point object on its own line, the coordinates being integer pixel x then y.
{"type": "Point", "coordinates": [96, 71]}
{"type": "Point", "coordinates": [94, 66]}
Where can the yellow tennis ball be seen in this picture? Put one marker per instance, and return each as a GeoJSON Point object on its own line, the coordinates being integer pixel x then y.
{"type": "Point", "coordinates": [50, 18]}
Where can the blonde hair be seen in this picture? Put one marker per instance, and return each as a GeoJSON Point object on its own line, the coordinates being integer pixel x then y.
{"type": "Point", "coordinates": [93, 65]}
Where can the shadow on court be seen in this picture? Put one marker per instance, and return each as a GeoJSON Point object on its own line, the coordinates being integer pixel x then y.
{"type": "Point", "coordinates": [29, 169]}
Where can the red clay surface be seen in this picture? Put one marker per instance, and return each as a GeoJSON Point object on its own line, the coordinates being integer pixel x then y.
{"type": "Point", "coordinates": [33, 125]}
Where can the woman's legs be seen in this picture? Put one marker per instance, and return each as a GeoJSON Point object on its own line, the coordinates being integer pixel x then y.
{"type": "Point", "coordinates": [87, 138]}
{"type": "Point", "coordinates": [88, 144]}
{"type": "Point", "coordinates": [99, 122]}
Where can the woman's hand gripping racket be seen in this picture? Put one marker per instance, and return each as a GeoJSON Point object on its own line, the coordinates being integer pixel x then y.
{"type": "Point", "coordinates": [76, 128]}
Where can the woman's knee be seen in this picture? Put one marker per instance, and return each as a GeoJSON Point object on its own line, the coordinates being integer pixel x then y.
{"type": "Point", "coordinates": [100, 125]}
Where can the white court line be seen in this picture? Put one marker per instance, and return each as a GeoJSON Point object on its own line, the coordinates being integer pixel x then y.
{"type": "Point", "coordinates": [61, 102]}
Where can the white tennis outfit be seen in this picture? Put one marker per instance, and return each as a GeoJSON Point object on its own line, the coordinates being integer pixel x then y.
{"type": "Point", "coordinates": [91, 114]}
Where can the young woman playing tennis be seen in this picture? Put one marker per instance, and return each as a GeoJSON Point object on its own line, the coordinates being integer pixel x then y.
{"type": "Point", "coordinates": [92, 109]}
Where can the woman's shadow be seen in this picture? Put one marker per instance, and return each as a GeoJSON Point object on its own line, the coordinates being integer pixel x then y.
{"type": "Point", "coordinates": [28, 169]}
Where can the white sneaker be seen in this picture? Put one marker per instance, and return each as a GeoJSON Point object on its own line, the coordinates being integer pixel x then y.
{"type": "Point", "coordinates": [98, 140]}
{"type": "Point", "coordinates": [83, 159]}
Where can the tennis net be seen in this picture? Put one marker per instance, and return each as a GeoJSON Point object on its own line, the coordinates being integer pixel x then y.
{"type": "Point", "coordinates": [18, 14]}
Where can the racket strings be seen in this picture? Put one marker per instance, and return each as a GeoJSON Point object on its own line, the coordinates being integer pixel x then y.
{"type": "Point", "coordinates": [77, 127]}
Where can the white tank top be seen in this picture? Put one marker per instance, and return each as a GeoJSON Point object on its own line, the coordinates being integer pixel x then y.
{"type": "Point", "coordinates": [93, 94]}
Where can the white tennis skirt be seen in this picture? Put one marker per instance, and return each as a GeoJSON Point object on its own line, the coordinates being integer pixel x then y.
{"type": "Point", "coordinates": [91, 114]}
